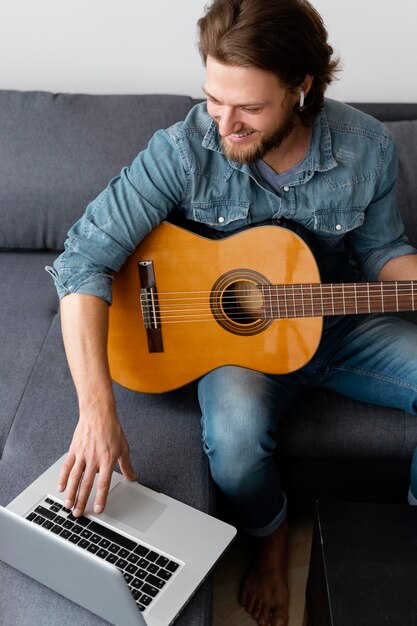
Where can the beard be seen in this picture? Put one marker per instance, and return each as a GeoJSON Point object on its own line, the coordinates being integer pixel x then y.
{"type": "Point", "coordinates": [263, 143]}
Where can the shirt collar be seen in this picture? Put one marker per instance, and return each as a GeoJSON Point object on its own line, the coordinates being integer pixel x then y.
{"type": "Point", "coordinates": [320, 155]}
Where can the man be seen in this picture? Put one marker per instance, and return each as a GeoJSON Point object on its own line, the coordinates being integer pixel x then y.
{"type": "Point", "coordinates": [267, 147]}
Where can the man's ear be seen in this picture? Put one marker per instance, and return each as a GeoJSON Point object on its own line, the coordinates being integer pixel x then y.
{"type": "Point", "coordinates": [306, 84]}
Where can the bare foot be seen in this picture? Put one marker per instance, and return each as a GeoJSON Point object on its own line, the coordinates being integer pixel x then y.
{"type": "Point", "coordinates": [264, 592]}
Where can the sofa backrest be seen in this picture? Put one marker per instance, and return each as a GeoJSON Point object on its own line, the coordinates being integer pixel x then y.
{"type": "Point", "coordinates": [58, 151]}
{"type": "Point", "coordinates": [405, 135]}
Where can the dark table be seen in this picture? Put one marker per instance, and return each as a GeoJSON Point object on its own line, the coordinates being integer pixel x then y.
{"type": "Point", "coordinates": [363, 566]}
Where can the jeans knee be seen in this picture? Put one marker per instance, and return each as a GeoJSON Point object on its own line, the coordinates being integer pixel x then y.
{"type": "Point", "coordinates": [229, 473]}
{"type": "Point", "coordinates": [235, 464]}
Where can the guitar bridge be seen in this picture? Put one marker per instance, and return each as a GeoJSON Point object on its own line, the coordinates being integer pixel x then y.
{"type": "Point", "coordinates": [150, 306]}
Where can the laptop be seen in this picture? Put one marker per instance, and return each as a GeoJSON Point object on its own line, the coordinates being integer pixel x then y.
{"type": "Point", "coordinates": [136, 564]}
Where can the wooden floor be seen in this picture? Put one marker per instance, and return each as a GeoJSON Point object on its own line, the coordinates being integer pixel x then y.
{"type": "Point", "coordinates": [228, 573]}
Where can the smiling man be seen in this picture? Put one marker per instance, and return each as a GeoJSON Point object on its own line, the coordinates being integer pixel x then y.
{"type": "Point", "coordinates": [267, 147]}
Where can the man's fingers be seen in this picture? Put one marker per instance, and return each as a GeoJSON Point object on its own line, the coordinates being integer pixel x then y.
{"type": "Point", "coordinates": [81, 485]}
{"type": "Point", "coordinates": [73, 484]}
{"type": "Point", "coordinates": [66, 468]}
{"type": "Point", "coordinates": [85, 486]}
{"type": "Point", "coordinates": [126, 465]}
{"type": "Point", "coordinates": [103, 486]}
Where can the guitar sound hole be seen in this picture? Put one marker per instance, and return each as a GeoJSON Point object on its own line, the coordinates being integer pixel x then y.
{"type": "Point", "coordinates": [236, 302]}
{"type": "Point", "coordinates": [242, 302]}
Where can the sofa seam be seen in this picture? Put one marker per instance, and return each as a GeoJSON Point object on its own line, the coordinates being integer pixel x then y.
{"type": "Point", "coordinates": [12, 421]}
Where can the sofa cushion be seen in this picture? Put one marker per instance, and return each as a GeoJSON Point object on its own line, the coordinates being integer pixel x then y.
{"type": "Point", "coordinates": [326, 425]}
{"type": "Point", "coordinates": [405, 135]}
{"type": "Point", "coordinates": [57, 153]}
{"type": "Point", "coordinates": [28, 308]}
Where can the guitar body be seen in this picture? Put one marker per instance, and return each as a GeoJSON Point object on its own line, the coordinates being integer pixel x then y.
{"type": "Point", "coordinates": [193, 341]}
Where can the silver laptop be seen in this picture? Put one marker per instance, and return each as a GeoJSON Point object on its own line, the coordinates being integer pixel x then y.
{"type": "Point", "coordinates": [136, 564]}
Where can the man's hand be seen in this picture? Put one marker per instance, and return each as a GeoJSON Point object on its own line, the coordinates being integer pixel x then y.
{"type": "Point", "coordinates": [98, 443]}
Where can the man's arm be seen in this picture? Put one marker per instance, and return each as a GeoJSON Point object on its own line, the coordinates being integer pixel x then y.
{"type": "Point", "coordinates": [401, 268]}
{"type": "Point", "coordinates": [98, 441]}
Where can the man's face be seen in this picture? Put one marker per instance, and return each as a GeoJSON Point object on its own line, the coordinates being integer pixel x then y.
{"type": "Point", "coordinates": [253, 110]}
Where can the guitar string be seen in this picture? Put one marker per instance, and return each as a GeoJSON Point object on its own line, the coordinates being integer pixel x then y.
{"type": "Point", "coordinates": [314, 302]}
{"type": "Point", "coordinates": [328, 286]}
{"type": "Point", "coordinates": [290, 293]}
{"type": "Point", "coordinates": [343, 289]}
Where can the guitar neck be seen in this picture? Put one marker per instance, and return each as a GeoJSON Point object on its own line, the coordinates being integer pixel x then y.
{"type": "Point", "coordinates": [312, 300]}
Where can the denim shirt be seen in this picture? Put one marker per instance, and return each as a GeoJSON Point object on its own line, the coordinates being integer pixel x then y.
{"type": "Point", "coordinates": [342, 198]}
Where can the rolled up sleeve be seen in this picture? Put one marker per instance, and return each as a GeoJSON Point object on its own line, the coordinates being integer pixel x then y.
{"type": "Point", "coordinates": [118, 219]}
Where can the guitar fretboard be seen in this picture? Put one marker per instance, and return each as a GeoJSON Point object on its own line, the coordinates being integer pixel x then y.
{"type": "Point", "coordinates": [311, 300]}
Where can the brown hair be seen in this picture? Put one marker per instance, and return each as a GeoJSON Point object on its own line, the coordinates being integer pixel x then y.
{"type": "Point", "coordinates": [285, 37]}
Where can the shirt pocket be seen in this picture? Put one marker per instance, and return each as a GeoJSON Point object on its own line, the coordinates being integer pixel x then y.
{"type": "Point", "coordinates": [328, 223]}
{"type": "Point", "coordinates": [222, 214]}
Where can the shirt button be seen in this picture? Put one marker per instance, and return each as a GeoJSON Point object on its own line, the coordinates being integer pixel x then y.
{"type": "Point", "coordinates": [286, 188]}
{"type": "Point", "coordinates": [338, 227]}
{"type": "Point", "coordinates": [221, 220]}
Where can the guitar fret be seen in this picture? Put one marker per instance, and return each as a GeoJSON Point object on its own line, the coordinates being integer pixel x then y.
{"type": "Point", "coordinates": [278, 302]}
{"type": "Point", "coordinates": [316, 300]}
{"type": "Point", "coordinates": [274, 302]}
{"type": "Point", "coordinates": [266, 295]}
{"type": "Point", "coordinates": [284, 303]}
{"type": "Point", "coordinates": [277, 299]}
{"type": "Point", "coordinates": [293, 300]}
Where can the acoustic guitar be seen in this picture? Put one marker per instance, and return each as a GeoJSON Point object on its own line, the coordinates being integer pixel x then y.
{"type": "Point", "coordinates": [184, 305]}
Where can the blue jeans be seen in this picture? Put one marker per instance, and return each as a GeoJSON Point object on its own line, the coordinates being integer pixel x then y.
{"type": "Point", "coordinates": [370, 358]}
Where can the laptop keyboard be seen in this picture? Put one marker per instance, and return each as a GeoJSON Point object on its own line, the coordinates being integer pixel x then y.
{"type": "Point", "coordinates": [145, 570]}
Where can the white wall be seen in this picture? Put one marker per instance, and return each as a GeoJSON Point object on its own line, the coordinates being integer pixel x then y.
{"type": "Point", "coordinates": [377, 41]}
{"type": "Point", "coordinates": [149, 46]}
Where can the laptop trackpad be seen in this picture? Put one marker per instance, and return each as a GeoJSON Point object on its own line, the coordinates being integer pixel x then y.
{"type": "Point", "coordinates": [133, 507]}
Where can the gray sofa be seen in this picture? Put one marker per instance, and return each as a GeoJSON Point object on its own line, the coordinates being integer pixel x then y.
{"type": "Point", "coordinates": [57, 152]}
